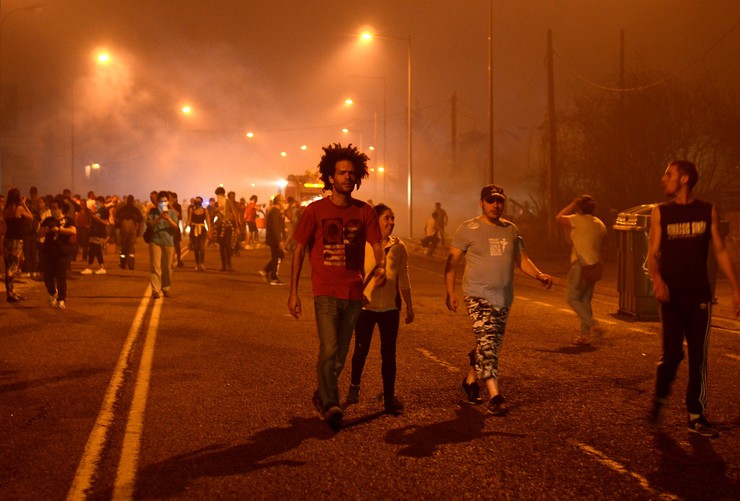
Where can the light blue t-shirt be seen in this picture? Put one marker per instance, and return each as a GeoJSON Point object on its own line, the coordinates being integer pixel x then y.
{"type": "Point", "coordinates": [490, 253]}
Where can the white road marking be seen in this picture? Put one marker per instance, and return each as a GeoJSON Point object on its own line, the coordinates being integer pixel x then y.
{"type": "Point", "coordinates": [566, 310]}
{"type": "Point", "coordinates": [123, 489]}
{"type": "Point", "coordinates": [431, 356]}
{"type": "Point", "coordinates": [542, 304]}
{"type": "Point", "coordinates": [734, 357]}
{"type": "Point", "coordinates": [99, 434]}
{"type": "Point", "coordinates": [619, 468]}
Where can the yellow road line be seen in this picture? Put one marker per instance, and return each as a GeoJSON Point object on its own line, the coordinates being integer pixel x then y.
{"type": "Point", "coordinates": [734, 357]}
{"type": "Point", "coordinates": [619, 468]}
{"type": "Point", "coordinates": [431, 356]}
{"type": "Point", "coordinates": [123, 489]}
{"type": "Point", "coordinates": [99, 434]}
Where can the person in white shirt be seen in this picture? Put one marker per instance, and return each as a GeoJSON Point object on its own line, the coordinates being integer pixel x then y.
{"type": "Point", "coordinates": [587, 234]}
{"type": "Point", "coordinates": [383, 308]}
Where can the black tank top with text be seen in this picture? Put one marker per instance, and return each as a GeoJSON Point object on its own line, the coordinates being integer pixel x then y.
{"type": "Point", "coordinates": [684, 246]}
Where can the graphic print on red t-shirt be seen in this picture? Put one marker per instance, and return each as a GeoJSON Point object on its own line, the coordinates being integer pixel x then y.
{"type": "Point", "coordinates": [343, 245]}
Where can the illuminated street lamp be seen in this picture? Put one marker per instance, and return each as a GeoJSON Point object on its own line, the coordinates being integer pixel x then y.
{"type": "Point", "coordinates": [368, 37]}
{"type": "Point", "coordinates": [28, 8]}
{"type": "Point", "coordinates": [351, 102]}
{"type": "Point", "coordinates": [102, 58]}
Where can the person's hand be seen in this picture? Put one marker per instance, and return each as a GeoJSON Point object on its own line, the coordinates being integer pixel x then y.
{"type": "Point", "coordinates": [660, 291]}
{"type": "Point", "coordinates": [409, 315]}
{"type": "Point", "coordinates": [451, 302]}
{"type": "Point", "coordinates": [545, 280]}
{"type": "Point", "coordinates": [294, 305]}
{"type": "Point", "coordinates": [379, 276]}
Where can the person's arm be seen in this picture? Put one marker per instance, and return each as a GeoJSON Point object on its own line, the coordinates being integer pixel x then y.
{"type": "Point", "coordinates": [294, 301]}
{"type": "Point", "coordinates": [22, 210]}
{"type": "Point", "coordinates": [562, 216]}
{"type": "Point", "coordinates": [404, 283]}
{"type": "Point", "coordinates": [723, 260]}
{"type": "Point", "coordinates": [450, 274]}
{"type": "Point", "coordinates": [530, 269]}
{"type": "Point", "coordinates": [379, 270]}
{"type": "Point", "coordinates": [660, 289]}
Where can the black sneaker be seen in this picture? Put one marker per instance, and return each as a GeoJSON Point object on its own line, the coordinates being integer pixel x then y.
{"type": "Point", "coordinates": [353, 395]}
{"type": "Point", "coordinates": [334, 416]}
{"type": "Point", "coordinates": [316, 400]}
{"type": "Point", "coordinates": [701, 426]}
{"type": "Point", "coordinates": [654, 416]}
{"type": "Point", "coordinates": [472, 392]}
{"type": "Point", "coordinates": [496, 407]}
{"type": "Point", "coordinates": [395, 407]}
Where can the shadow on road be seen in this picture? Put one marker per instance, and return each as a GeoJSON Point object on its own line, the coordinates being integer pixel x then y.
{"type": "Point", "coordinates": [172, 476]}
{"type": "Point", "coordinates": [700, 473]}
{"type": "Point", "coordinates": [423, 441]}
{"type": "Point", "coordinates": [35, 383]}
{"type": "Point", "coordinates": [572, 350]}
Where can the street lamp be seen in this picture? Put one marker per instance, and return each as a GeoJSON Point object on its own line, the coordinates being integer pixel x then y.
{"type": "Point", "coordinates": [102, 58]}
{"type": "Point", "coordinates": [28, 8]}
{"type": "Point", "coordinates": [351, 102]}
{"type": "Point", "coordinates": [367, 36]}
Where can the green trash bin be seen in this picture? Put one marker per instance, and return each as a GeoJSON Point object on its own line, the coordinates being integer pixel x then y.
{"type": "Point", "coordinates": [634, 285]}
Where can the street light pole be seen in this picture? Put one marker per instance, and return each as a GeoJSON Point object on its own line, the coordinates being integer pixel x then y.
{"type": "Point", "coordinates": [409, 126]}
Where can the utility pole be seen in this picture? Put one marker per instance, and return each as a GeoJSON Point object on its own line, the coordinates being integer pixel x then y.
{"type": "Point", "coordinates": [454, 132]}
{"type": "Point", "coordinates": [490, 94]}
{"type": "Point", "coordinates": [552, 177]}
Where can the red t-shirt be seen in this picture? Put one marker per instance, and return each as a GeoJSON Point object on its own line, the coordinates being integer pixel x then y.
{"type": "Point", "coordinates": [335, 237]}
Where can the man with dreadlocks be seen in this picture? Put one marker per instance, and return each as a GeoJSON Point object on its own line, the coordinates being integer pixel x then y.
{"type": "Point", "coordinates": [335, 230]}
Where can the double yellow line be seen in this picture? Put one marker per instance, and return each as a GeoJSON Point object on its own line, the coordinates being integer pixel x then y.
{"type": "Point", "coordinates": [123, 488]}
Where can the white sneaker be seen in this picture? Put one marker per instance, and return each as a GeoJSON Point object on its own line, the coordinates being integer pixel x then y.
{"type": "Point", "coordinates": [86, 271]}
{"type": "Point", "coordinates": [100, 271]}
{"type": "Point", "coordinates": [61, 305]}
{"type": "Point", "coordinates": [53, 301]}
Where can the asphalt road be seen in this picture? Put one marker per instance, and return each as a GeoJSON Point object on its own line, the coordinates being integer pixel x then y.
{"type": "Point", "coordinates": [206, 395]}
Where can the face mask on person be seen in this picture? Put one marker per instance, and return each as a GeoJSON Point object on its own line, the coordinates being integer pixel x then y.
{"type": "Point", "coordinates": [198, 203]}
{"type": "Point", "coordinates": [163, 205]}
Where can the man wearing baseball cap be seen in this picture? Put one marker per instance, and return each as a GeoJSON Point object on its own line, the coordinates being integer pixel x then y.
{"type": "Point", "coordinates": [492, 246]}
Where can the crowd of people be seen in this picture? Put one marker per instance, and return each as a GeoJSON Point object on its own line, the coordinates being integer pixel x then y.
{"type": "Point", "coordinates": [38, 245]}
{"type": "Point", "coordinates": [360, 274]}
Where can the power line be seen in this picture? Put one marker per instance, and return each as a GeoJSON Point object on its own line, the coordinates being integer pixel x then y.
{"type": "Point", "coordinates": [655, 83]}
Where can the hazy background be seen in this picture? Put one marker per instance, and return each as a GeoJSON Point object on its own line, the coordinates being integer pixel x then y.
{"type": "Point", "coordinates": [282, 70]}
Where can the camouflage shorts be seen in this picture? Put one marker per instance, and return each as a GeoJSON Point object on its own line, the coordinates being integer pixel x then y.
{"type": "Point", "coordinates": [489, 324]}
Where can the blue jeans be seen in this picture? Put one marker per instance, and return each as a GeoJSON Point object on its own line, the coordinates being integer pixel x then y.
{"type": "Point", "coordinates": [579, 297]}
{"type": "Point", "coordinates": [335, 321]}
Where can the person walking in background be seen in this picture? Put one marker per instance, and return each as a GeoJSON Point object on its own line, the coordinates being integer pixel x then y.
{"type": "Point", "coordinates": [442, 221]}
{"type": "Point", "coordinates": [250, 217]}
{"type": "Point", "coordinates": [128, 221]}
{"type": "Point", "coordinates": [82, 217]}
{"type": "Point", "coordinates": [335, 229]}
{"type": "Point", "coordinates": [98, 236]}
{"type": "Point", "coordinates": [225, 221]}
{"type": "Point", "coordinates": [681, 232]}
{"type": "Point", "coordinates": [30, 265]}
{"type": "Point", "coordinates": [275, 239]}
{"type": "Point", "coordinates": [383, 309]}
{"type": "Point", "coordinates": [57, 231]}
{"type": "Point", "coordinates": [587, 234]}
{"type": "Point", "coordinates": [431, 234]}
{"type": "Point", "coordinates": [177, 236]}
{"type": "Point", "coordinates": [16, 214]}
{"type": "Point", "coordinates": [199, 224]}
{"type": "Point", "coordinates": [163, 222]}
{"type": "Point", "coordinates": [492, 247]}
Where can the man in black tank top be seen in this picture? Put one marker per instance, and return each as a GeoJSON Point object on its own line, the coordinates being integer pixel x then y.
{"type": "Point", "coordinates": [681, 232]}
